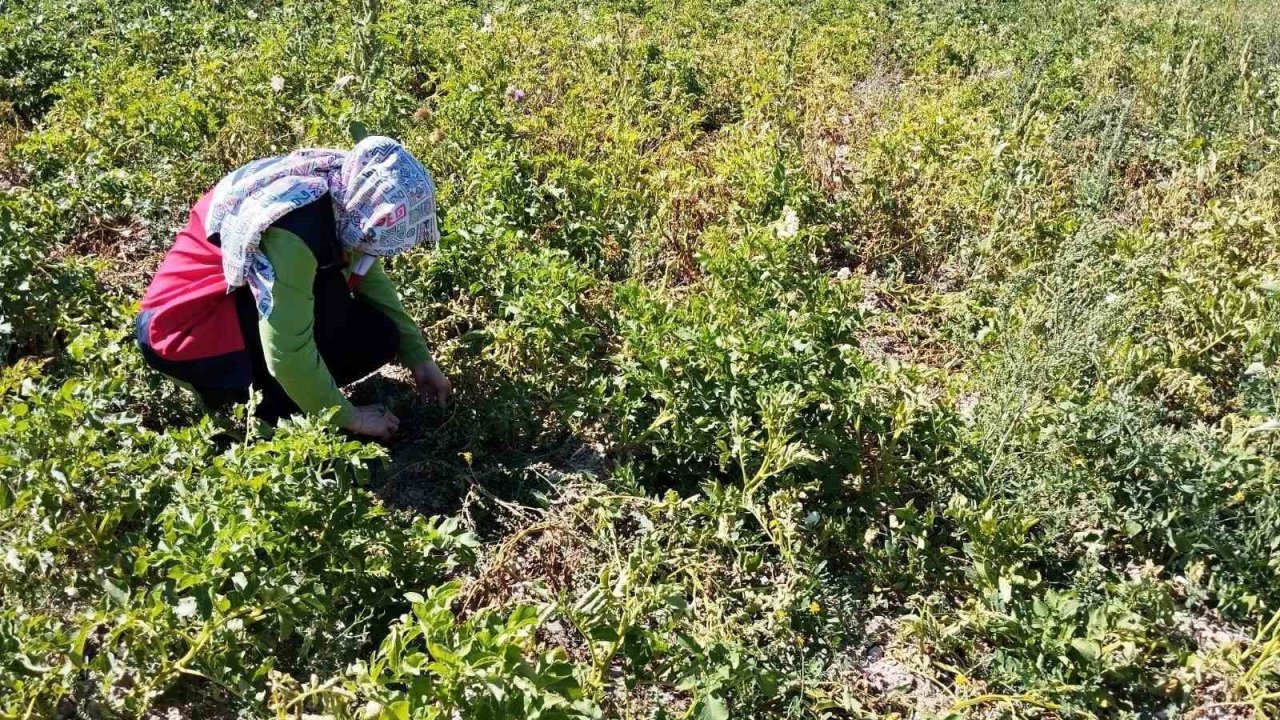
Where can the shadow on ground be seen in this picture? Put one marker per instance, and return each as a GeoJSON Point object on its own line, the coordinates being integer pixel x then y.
{"type": "Point", "coordinates": [451, 461]}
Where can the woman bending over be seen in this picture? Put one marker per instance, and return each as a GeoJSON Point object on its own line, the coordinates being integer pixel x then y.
{"type": "Point", "coordinates": [276, 283]}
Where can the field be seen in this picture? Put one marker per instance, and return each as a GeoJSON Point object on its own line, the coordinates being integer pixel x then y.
{"type": "Point", "coordinates": [821, 359]}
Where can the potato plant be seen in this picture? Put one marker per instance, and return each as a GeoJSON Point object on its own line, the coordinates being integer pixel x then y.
{"type": "Point", "coordinates": [836, 359]}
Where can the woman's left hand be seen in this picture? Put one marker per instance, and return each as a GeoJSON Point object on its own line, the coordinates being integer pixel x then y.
{"type": "Point", "coordinates": [433, 386]}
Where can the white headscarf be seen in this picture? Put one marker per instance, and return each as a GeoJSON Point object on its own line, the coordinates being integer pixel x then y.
{"type": "Point", "coordinates": [384, 203]}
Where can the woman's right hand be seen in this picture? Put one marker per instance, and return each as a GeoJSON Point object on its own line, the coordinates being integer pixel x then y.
{"type": "Point", "coordinates": [373, 421]}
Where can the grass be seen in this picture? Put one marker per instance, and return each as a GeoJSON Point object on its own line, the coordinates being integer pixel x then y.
{"type": "Point", "coordinates": [835, 359]}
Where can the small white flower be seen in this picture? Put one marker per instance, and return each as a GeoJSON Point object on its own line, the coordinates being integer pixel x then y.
{"type": "Point", "coordinates": [1270, 425]}
{"type": "Point", "coordinates": [186, 607]}
{"type": "Point", "coordinates": [844, 274]}
{"type": "Point", "coordinates": [487, 27]}
{"type": "Point", "coordinates": [277, 83]}
{"type": "Point", "coordinates": [790, 225]}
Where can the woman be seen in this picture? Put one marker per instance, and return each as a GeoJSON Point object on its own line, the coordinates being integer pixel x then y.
{"type": "Point", "coordinates": [276, 283]}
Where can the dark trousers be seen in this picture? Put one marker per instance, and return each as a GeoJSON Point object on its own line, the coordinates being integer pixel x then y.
{"type": "Point", "coordinates": [353, 336]}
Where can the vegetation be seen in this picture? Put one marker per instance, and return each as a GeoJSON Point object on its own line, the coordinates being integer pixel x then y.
{"type": "Point", "coordinates": [823, 359]}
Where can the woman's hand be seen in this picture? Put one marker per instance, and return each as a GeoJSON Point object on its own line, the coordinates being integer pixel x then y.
{"type": "Point", "coordinates": [433, 386]}
{"type": "Point", "coordinates": [373, 421]}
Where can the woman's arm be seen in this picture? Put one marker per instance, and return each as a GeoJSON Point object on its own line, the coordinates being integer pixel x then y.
{"type": "Point", "coordinates": [288, 339]}
{"type": "Point", "coordinates": [378, 289]}
{"type": "Point", "coordinates": [432, 384]}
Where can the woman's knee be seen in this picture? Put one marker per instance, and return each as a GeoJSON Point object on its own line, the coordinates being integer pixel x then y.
{"type": "Point", "coordinates": [369, 340]}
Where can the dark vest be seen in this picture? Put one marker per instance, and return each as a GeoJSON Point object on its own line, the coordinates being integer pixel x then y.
{"type": "Point", "coordinates": [316, 226]}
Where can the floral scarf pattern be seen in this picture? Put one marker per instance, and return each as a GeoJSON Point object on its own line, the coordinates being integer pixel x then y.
{"type": "Point", "coordinates": [383, 204]}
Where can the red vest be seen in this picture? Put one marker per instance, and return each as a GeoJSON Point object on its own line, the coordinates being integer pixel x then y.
{"type": "Point", "coordinates": [187, 312]}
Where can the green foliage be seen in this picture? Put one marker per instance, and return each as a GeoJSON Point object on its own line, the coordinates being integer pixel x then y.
{"type": "Point", "coordinates": [163, 558]}
{"type": "Point", "coordinates": [827, 359]}
{"type": "Point", "coordinates": [42, 300]}
{"type": "Point", "coordinates": [433, 665]}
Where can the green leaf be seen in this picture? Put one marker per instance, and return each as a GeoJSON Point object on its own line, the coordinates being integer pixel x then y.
{"type": "Point", "coordinates": [1068, 608]}
{"type": "Point", "coordinates": [1088, 649]}
{"type": "Point", "coordinates": [523, 616]}
{"type": "Point", "coordinates": [604, 633]}
{"type": "Point", "coordinates": [713, 708]}
{"type": "Point", "coordinates": [81, 639]}
{"type": "Point", "coordinates": [441, 653]}
{"type": "Point", "coordinates": [395, 711]}
{"type": "Point", "coordinates": [115, 592]}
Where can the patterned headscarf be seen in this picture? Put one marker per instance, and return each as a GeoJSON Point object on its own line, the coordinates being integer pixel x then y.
{"type": "Point", "coordinates": [384, 202]}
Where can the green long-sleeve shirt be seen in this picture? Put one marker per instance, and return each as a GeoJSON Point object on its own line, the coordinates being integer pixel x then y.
{"type": "Point", "coordinates": [288, 340]}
